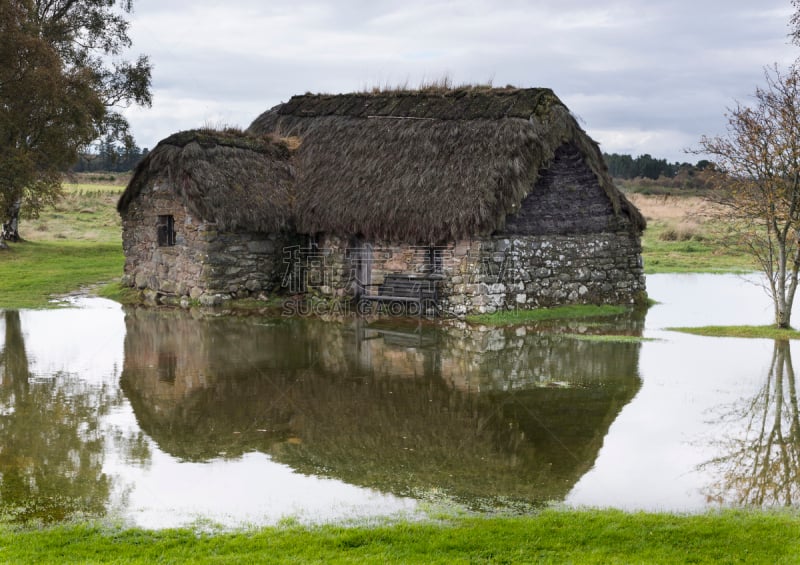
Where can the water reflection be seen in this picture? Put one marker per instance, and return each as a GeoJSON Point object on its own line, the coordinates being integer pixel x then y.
{"type": "Point", "coordinates": [51, 445]}
{"type": "Point", "coordinates": [759, 463]}
{"type": "Point", "coordinates": [481, 415]}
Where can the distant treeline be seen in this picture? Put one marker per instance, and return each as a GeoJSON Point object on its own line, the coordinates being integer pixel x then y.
{"type": "Point", "coordinates": [647, 167]}
{"type": "Point", "coordinates": [108, 157]}
{"type": "Point", "coordinates": [648, 175]}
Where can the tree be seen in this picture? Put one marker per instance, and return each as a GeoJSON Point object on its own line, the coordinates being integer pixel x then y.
{"type": "Point", "coordinates": [757, 181]}
{"type": "Point", "coordinates": [794, 23]}
{"type": "Point", "coordinates": [59, 92]}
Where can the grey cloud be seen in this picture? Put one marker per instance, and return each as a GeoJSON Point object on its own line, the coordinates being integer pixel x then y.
{"type": "Point", "coordinates": [648, 66]}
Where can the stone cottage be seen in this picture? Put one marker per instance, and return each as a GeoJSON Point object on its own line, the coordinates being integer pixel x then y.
{"type": "Point", "coordinates": [477, 199]}
{"type": "Point", "coordinates": [206, 215]}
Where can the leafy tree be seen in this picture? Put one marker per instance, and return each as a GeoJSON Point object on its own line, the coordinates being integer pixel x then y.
{"type": "Point", "coordinates": [757, 177]}
{"type": "Point", "coordinates": [108, 157]}
{"type": "Point", "coordinates": [61, 86]}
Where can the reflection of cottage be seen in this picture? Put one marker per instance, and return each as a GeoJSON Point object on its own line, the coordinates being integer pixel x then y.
{"type": "Point", "coordinates": [496, 196]}
{"type": "Point", "coordinates": [474, 413]}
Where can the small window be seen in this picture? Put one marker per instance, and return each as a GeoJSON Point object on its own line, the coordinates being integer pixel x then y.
{"type": "Point", "coordinates": [435, 260]}
{"type": "Point", "coordinates": [166, 231]}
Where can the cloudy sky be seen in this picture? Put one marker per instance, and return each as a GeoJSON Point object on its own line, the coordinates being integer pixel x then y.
{"type": "Point", "coordinates": [643, 76]}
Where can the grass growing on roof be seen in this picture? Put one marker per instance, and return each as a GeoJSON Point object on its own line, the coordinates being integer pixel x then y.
{"type": "Point", "coordinates": [508, 317]}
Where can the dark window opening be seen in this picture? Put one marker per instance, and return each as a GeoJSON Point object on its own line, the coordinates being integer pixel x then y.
{"type": "Point", "coordinates": [434, 260]}
{"type": "Point", "coordinates": [166, 231]}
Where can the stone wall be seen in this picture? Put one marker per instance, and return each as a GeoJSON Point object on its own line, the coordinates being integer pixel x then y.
{"type": "Point", "coordinates": [565, 245]}
{"type": "Point", "coordinates": [204, 264]}
{"type": "Point", "coordinates": [495, 273]}
{"type": "Point", "coordinates": [504, 273]}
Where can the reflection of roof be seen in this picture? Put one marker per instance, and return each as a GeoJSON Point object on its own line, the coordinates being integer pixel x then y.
{"type": "Point", "coordinates": [335, 415]}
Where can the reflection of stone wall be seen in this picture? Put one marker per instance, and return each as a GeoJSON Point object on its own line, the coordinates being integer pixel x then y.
{"type": "Point", "coordinates": [395, 407]}
{"type": "Point", "coordinates": [499, 358]}
{"type": "Point", "coordinates": [202, 348]}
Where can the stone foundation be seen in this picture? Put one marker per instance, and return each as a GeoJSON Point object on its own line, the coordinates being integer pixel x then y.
{"type": "Point", "coordinates": [486, 275]}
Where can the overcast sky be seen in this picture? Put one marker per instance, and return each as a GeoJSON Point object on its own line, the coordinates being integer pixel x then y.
{"type": "Point", "coordinates": [643, 76]}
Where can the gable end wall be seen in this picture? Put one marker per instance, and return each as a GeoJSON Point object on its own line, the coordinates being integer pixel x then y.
{"type": "Point", "coordinates": [204, 264]}
{"type": "Point", "coordinates": [567, 199]}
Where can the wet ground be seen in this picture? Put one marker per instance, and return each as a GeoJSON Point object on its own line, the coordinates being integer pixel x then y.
{"type": "Point", "coordinates": [166, 417]}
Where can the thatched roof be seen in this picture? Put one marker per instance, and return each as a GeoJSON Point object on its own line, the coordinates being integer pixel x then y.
{"type": "Point", "coordinates": [237, 179]}
{"type": "Point", "coordinates": [426, 166]}
{"type": "Point", "coordinates": [417, 166]}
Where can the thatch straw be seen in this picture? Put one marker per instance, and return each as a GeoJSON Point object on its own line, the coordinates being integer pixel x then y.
{"type": "Point", "coordinates": [420, 166]}
{"type": "Point", "coordinates": [238, 180]}
{"type": "Point", "coordinates": [426, 167]}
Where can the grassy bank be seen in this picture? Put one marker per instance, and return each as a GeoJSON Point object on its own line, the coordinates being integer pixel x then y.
{"type": "Point", "coordinates": [75, 244]}
{"type": "Point", "coordinates": [550, 537]}
{"type": "Point", "coordinates": [683, 237]}
{"type": "Point", "coordinates": [32, 272]}
{"type": "Point", "coordinates": [764, 332]}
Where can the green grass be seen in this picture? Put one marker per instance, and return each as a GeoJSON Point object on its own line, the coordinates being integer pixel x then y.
{"type": "Point", "coordinates": [31, 272]}
{"type": "Point", "coordinates": [122, 294]}
{"type": "Point", "coordinates": [75, 244]}
{"type": "Point", "coordinates": [703, 253]}
{"type": "Point", "coordinates": [765, 332]}
{"type": "Point", "coordinates": [509, 317]}
{"type": "Point", "coordinates": [607, 338]}
{"type": "Point", "coordinates": [550, 537]}
{"type": "Point", "coordinates": [92, 187]}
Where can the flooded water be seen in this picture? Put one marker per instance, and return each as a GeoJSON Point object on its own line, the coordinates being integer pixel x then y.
{"type": "Point", "coordinates": [164, 417]}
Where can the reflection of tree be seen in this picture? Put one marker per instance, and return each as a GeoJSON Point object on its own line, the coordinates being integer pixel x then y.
{"type": "Point", "coordinates": [761, 464]}
{"type": "Point", "coordinates": [51, 443]}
